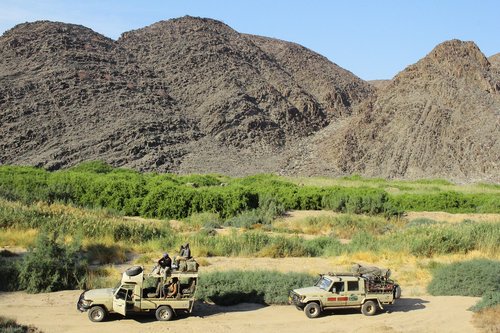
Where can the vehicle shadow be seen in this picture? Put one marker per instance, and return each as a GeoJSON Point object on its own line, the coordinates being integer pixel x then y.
{"type": "Point", "coordinates": [200, 310]}
{"type": "Point", "coordinates": [206, 310]}
{"type": "Point", "coordinates": [142, 318]}
{"type": "Point", "coordinates": [406, 305]}
{"type": "Point", "coordinates": [401, 305]}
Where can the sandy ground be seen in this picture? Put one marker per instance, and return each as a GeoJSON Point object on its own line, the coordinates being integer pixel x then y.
{"type": "Point", "coordinates": [56, 312]}
{"type": "Point", "coordinates": [453, 218]}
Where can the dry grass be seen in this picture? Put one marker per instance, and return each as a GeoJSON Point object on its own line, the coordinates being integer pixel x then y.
{"type": "Point", "coordinates": [453, 218]}
{"type": "Point", "coordinates": [17, 238]}
{"type": "Point", "coordinates": [203, 262]}
{"type": "Point", "coordinates": [487, 320]}
{"type": "Point", "coordinates": [326, 223]}
{"type": "Point", "coordinates": [103, 277]}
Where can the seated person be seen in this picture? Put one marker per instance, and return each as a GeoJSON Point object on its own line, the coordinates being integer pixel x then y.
{"type": "Point", "coordinates": [164, 264]}
{"type": "Point", "coordinates": [170, 289]}
{"type": "Point", "coordinates": [184, 254]}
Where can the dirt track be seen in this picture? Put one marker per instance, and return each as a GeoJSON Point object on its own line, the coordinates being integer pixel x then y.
{"type": "Point", "coordinates": [56, 312]}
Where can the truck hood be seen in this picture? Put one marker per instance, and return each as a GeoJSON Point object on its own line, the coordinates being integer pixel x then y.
{"type": "Point", "coordinates": [94, 294]}
{"type": "Point", "coordinates": [310, 291]}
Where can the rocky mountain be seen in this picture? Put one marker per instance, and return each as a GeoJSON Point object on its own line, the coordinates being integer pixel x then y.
{"type": "Point", "coordinates": [187, 94]}
{"type": "Point", "coordinates": [194, 95]}
{"type": "Point", "coordinates": [495, 60]}
{"type": "Point", "coordinates": [438, 118]}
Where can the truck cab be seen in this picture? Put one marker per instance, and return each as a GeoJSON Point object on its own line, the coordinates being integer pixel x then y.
{"type": "Point", "coordinates": [166, 295]}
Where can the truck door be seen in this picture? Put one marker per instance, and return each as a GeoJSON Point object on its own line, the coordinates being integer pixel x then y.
{"type": "Point", "coordinates": [121, 300]}
{"type": "Point", "coordinates": [354, 290]}
{"type": "Point", "coordinates": [337, 296]}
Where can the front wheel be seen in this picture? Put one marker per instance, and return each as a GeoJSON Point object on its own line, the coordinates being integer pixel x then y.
{"type": "Point", "coordinates": [312, 310]}
{"type": "Point", "coordinates": [369, 308]}
{"type": "Point", "coordinates": [97, 314]}
{"type": "Point", "coordinates": [164, 313]}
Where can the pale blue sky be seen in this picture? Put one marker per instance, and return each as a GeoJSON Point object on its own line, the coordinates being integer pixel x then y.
{"type": "Point", "coordinates": [372, 39]}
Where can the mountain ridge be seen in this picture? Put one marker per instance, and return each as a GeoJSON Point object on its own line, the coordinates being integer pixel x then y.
{"type": "Point", "coordinates": [194, 95]}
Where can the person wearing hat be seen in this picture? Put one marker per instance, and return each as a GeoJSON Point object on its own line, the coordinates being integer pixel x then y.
{"type": "Point", "coordinates": [165, 263]}
{"type": "Point", "coordinates": [184, 254]}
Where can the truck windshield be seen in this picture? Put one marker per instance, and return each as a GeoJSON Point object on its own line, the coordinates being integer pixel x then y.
{"type": "Point", "coordinates": [323, 283]}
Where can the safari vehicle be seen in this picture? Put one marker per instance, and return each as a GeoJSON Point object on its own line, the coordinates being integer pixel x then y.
{"type": "Point", "coordinates": [141, 293]}
{"type": "Point", "coordinates": [368, 292]}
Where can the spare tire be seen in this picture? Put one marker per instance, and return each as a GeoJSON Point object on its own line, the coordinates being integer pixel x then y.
{"type": "Point", "coordinates": [133, 271]}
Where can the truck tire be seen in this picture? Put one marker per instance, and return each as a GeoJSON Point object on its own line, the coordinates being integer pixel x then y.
{"type": "Point", "coordinates": [397, 292]}
{"type": "Point", "coordinates": [369, 308]}
{"type": "Point", "coordinates": [164, 313]}
{"type": "Point", "coordinates": [97, 314]}
{"type": "Point", "coordinates": [312, 310]}
{"type": "Point", "coordinates": [133, 271]}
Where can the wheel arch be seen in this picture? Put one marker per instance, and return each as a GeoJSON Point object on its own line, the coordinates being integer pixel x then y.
{"type": "Point", "coordinates": [314, 300]}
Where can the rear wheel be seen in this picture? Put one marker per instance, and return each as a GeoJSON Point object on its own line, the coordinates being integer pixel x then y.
{"type": "Point", "coordinates": [369, 308]}
{"type": "Point", "coordinates": [312, 310]}
{"type": "Point", "coordinates": [97, 314]}
{"type": "Point", "coordinates": [164, 313]}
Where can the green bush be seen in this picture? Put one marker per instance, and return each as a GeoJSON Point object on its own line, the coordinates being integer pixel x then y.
{"type": "Point", "coordinates": [452, 202]}
{"type": "Point", "coordinates": [478, 277]}
{"type": "Point", "coordinates": [467, 278]}
{"type": "Point", "coordinates": [431, 239]}
{"type": "Point", "coordinates": [247, 219]}
{"type": "Point", "coordinates": [441, 241]}
{"type": "Point", "coordinates": [97, 185]}
{"type": "Point", "coordinates": [203, 220]}
{"type": "Point", "coordinates": [489, 300]}
{"type": "Point", "coordinates": [9, 274]}
{"type": "Point", "coordinates": [52, 266]}
{"type": "Point", "coordinates": [264, 287]}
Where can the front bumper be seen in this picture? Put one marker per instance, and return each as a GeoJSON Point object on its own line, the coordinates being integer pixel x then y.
{"type": "Point", "coordinates": [80, 305]}
{"type": "Point", "coordinates": [295, 299]}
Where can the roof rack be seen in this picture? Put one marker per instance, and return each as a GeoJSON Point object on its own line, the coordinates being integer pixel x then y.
{"type": "Point", "coordinates": [343, 274]}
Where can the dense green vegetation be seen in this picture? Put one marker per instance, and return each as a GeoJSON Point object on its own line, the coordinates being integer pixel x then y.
{"type": "Point", "coordinates": [97, 185]}
{"type": "Point", "coordinates": [51, 266]}
{"type": "Point", "coordinates": [264, 287]}
{"type": "Point", "coordinates": [9, 274]}
{"type": "Point", "coordinates": [479, 277]}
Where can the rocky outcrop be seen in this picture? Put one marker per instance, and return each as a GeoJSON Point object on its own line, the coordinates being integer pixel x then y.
{"type": "Point", "coordinates": [438, 118]}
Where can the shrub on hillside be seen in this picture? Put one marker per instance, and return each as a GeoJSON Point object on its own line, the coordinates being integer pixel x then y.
{"type": "Point", "coordinates": [264, 287]}
{"type": "Point", "coordinates": [51, 266]}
